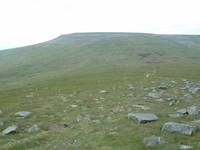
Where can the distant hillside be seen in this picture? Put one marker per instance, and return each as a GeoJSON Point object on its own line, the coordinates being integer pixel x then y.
{"type": "Point", "coordinates": [83, 53]}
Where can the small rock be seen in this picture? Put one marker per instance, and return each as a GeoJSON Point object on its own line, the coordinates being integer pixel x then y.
{"type": "Point", "coordinates": [192, 110]}
{"type": "Point", "coordinates": [159, 100]}
{"type": "Point", "coordinates": [179, 128]}
{"type": "Point", "coordinates": [96, 121]}
{"type": "Point", "coordinates": [163, 87]}
{"type": "Point", "coordinates": [103, 92]}
{"type": "Point", "coordinates": [79, 101]}
{"type": "Point", "coordinates": [176, 115]}
{"type": "Point", "coordinates": [142, 117]}
{"type": "Point", "coordinates": [74, 106]}
{"type": "Point", "coordinates": [113, 133]}
{"type": "Point", "coordinates": [13, 128]}
{"type": "Point", "coordinates": [196, 121]}
{"type": "Point", "coordinates": [153, 141]}
{"type": "Point", "coordinates": [29, 96]}
{"type": "Point", "coordinates": [130, 88]}
{"type": "Point", "coordinates": [182, 111]}
{"type": "Point", "coordinates": [34, 128]}
{"type": "Point", "coordinates": [154, 95]}
{"type": "Point", "coordinates": [174, 82]}
{"type": "Point", "coordinates": [23, 113]}
{"type": "Point", "coordinates": [194, 90]}
{"type": "Point", "coordinates": [188, 96]}
{"type": "Point", "coordinates": [171, 99]}
{"type": "Point", "coordinates": [1, 123]}
{"type": "Point", "coordinates": [1, 112]}
{"type": "Point", "coordinates": [142, 107]}
{"type": "Point", "coordinates": [129, 95]}
{"type": "Point", "coordinates": [84, 108]}
{"type": "Point", "coordinates": [185, 147]}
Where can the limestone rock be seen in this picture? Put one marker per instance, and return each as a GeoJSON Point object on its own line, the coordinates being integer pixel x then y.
{"type": "Point", "coordinates": [162, 87]}
{"type": "Point", "coordinates": [142, 107]}
{"type": "Point", "coordinates": [185, 147]}
{"type": "Point", "coordinates": [196, 121]}
{"type": "Point", "coordinates": [153, 141]}
{"type": "Point", "coordinates": [154, 95]}
{"type": "Point", "coordinates": [192, 110]}
{"type": "Point", "coordinates": [176, 115]}
{"type": "Point", "coordinates": [1, 112]}
{"type": "Point", "coordinates": [182, 111]}
{"type": "Point", "coordinates": [13, 128]}
{"type": "Point", "coordinates": [1, 123]}
{"type": "Point", "coordinates": [23, 113]}
{"type": "Point", "coordinates": [142, 117]}
{"type": "Point", "coordinates": [179, 128]}
{"type": "Point", "coordinates": [103, 92]}
{"type": "Point", "coordinates": [34, 128]}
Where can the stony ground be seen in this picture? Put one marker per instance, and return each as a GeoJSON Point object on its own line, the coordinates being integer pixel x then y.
{"type": "Point", "coordinates": [97, 117]}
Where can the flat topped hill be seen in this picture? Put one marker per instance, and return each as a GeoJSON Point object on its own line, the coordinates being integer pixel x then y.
{"type": "Point", "coordinates": [83, 53]}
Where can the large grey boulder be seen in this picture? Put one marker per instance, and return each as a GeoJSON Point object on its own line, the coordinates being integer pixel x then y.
{"type": "Point", "coordinates": [23, 113]}
{"type": "Point", "coordinates": [142, 117]}
{"type": "Point", "coordinates": [153, 141]}
{"type": "Point", "coordinates": [1, 123]}
{"type": "Point", "coordinates": [192, 110]}
{"type": "Point", "coordinates": [179, 128]}
{"type": "Point", "coordinates": [182, 111]}
{"type": "Point", "coordinates": [34, 128]}
{"type": "Point", "coordinates": [1, 112]}
{"type": "Point", "coordinates": [13, 128]}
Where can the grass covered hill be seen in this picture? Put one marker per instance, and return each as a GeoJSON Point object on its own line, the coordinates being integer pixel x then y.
{"type": "Point", "coordinates": [59, 82]}
{"type": "Point", "coordinates": [83, 53]}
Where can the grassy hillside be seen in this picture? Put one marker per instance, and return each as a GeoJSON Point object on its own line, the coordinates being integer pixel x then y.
{"type": "Point", "coordinates": [77, 67]}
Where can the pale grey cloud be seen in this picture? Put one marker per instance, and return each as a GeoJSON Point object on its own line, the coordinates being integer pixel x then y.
{"type": "Point", "coordinates": [25, 22]}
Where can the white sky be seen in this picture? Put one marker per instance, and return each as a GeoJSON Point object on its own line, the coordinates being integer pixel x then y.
{"type": "Point", "coordinates": [25, 22]}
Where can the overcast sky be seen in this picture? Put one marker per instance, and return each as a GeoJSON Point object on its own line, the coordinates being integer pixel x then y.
{"type": "Point", "coordinates": [25, 22]}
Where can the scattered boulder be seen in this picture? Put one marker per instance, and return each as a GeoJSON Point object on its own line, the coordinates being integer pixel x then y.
{"type": "Point", "coordinates": [74, 106]}
{"type": "Point", "coordinates": [179, 128]}
{"type": "Point", "coordinates": [13, 128]}
{"type": "Point", "coordinates": [185, 147]}
{"type": "Point", "coordinates": [34, 128]}
{"type": "Point", "coordinates": [29, 96]}
{"type": "Point", "coordinates": [79, 101]}
{"type": "Point", "coordinates": [103, 92]}
{"type": "Point", "coordinates": [1, 112]}
{"type": "Point", "coordinates": [171, 99]}
{"type": "Point", "coordinates": [182, 111]}
{"type": "Point", "coordinates": [142, 107]}
{"type": "Point", "coordinates": [176, 115]}
{"type": "Point", "coordinates": [113, 133]}
{"type": "Point", "coordinates": [96, 121]}
{"type": "Point", "coordinates": [153, 141]}
{"type": "Point", "coordinates": [23, 113]}
{"type": "Point", "coordinates": [196, 121]}
{"type": "Point", "coordinates": [192, 110]}
{"type": "Point", "coordinates": [188, 96]}
{"type": "Point", "coordinates": [142, 117]}
{"type": "Point", "coordinates": [194, 90]}
{"type": "Point", "coordinates": [163, 87]}
{"type": "Point", "coordinates": [159, 100]}
{"type": "Point", "coordinates": [84, 108]}
{"type": "Point", "coordinates": [154, 95]}
{"type": "Point", "coordinates": [1, 123]}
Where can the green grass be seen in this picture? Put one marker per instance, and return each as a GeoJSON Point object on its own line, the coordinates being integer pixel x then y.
{"type": "Point", "coordinates": [54, 70]}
